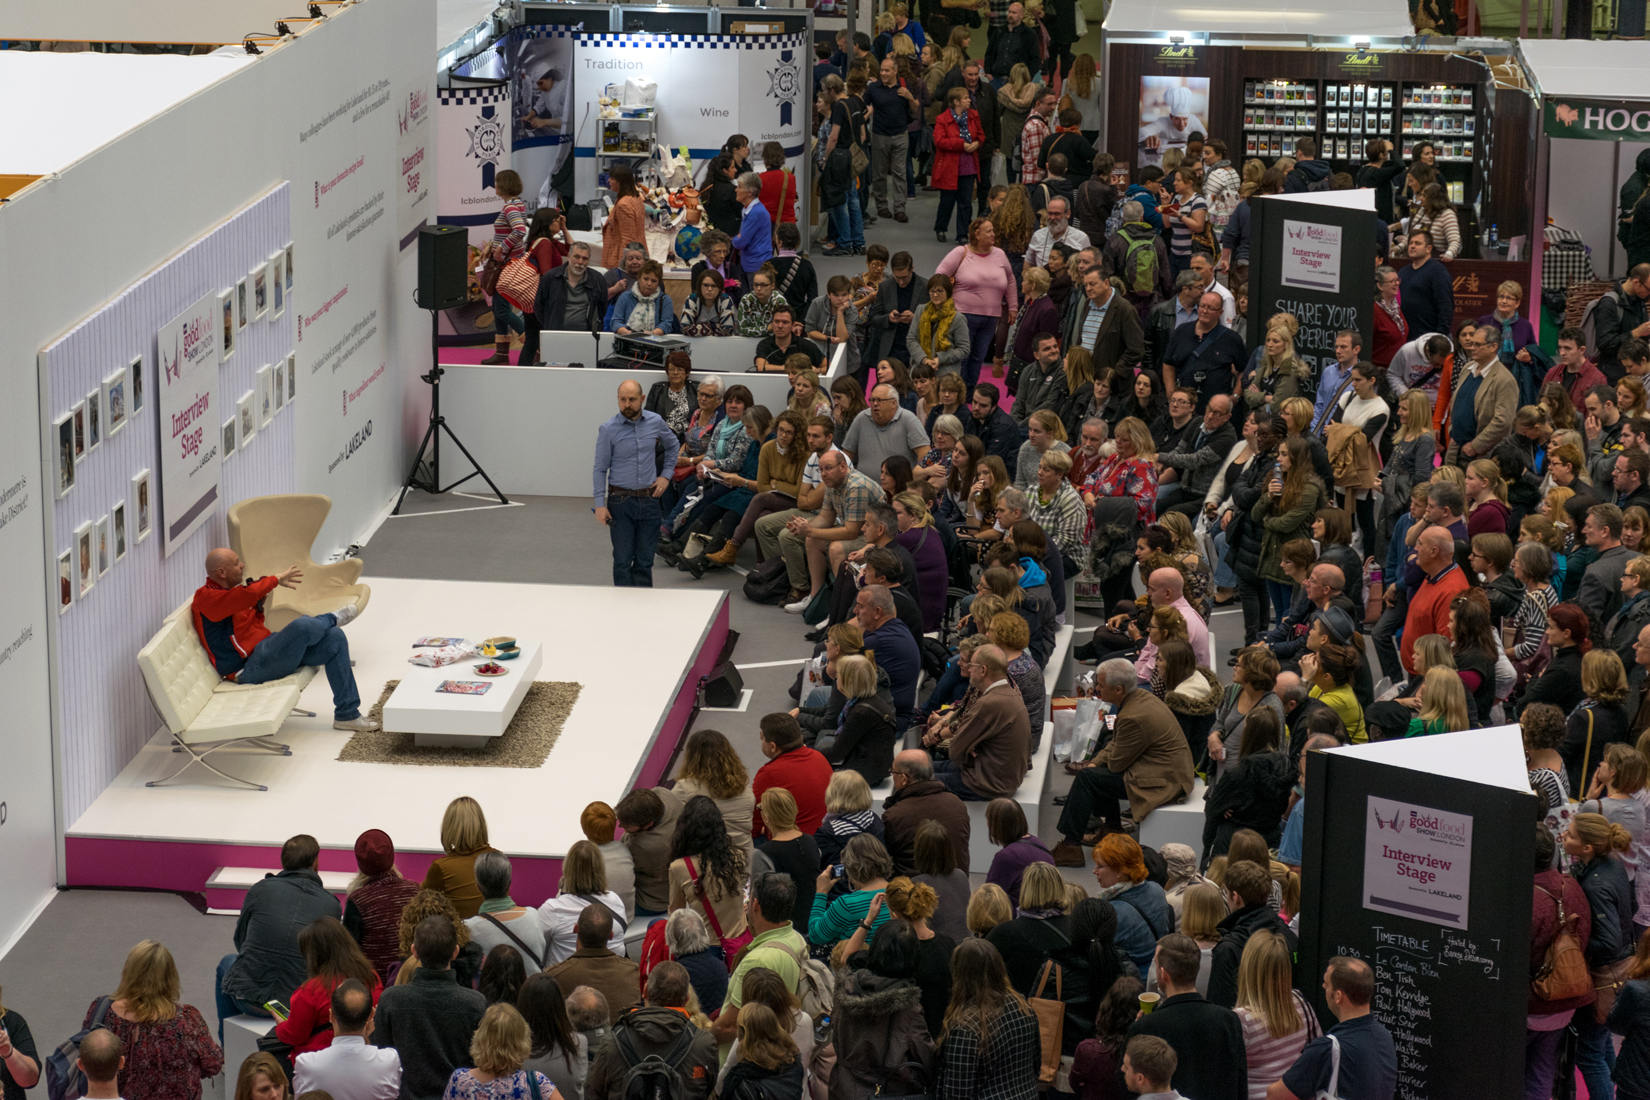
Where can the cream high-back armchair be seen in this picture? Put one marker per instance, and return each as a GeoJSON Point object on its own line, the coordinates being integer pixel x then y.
{"type": "Point", "coordinates": [274, 533]}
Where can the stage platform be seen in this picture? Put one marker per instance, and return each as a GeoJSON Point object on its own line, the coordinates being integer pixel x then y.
{"type": "Point", "coordinates": [638, 652]}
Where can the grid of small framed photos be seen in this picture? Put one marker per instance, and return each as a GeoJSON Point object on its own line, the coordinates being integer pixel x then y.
{"type": "Point", "coordinates": [261, 296]}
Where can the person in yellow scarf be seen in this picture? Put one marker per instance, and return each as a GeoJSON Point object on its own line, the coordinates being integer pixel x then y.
{"type": "Point", "coordinates": [939, 335]}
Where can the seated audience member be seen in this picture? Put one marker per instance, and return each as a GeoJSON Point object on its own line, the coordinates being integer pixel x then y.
{"type": "Point", "coordinates": [1207, 1039]}
{"type": "Point", "coordinates": [787, 850]}
{"type": "Point", "coordinates": [167, 1049]}
{"type": "Point", "coordinates": [349, 1068]}
{"type": "Point", "coordinates": [709, 310]}
{"type": "Point", "coordinates": [463, 838]}
{"type": "Point", "coordinates": [917, 798]}
{"type": "Point", "coordinates": [783, 341]}
{"type": "Point", "coordinates": [777, 946]}
{"type": "Point", "coordinates": [593, 964]}
{"type": "Point", "coordinates": [267, 964]}
{"type": "Point", "coordinates": [429, 1021]}
{"type": "Point", "coordinates": [644, 309]}
{"type": "Point", "coordinates": [500, 1045]}
{"type": "Point", "coordinates": [571, 298]}
{"type": "Point", "coordinates": [433, 903]}
{"type": "Point", "coordinates": [261, 1076]}
{"type": "Point", "coordinates": [654, 1031]}
{"type": "Point", "coordinates": [991, 745]}
{"type": "Point", "coordinates": [587, 1011]}
{"type": "Point", "coordinates": [621, 278]}
{"type": "Point", "coordinates": [502, 972]}
{"type": "Point", "coordinates": [711, 767]}
{"type": "Point", "coordinates": [792, 765]}
{"type": "Point", "coordinates": [707, 872]}
{"type": "Point", "coordinates": [583, 883]}
{"type": "Point", "coordinates": [690, 942]}
{"type": "Point", "coordinates": [1146, 761]}
{"type": "Point", "coordinates": [558, 1051]}
{"type": "Point", "coordinates": [1010, 634]}
{"type": "Point", "coordinates": [1006, 826]}
{"type": "Point", "coordinates": [331, 957]}
{"type": "Point", "coordinates": [372, 909]}
{"type": "Point", "coordinates": [865, 868]}
{"type": "Point", "coordinates": [1143, 911]}
{"type": "Point", "coordinates": [228, 613]}
{"type": "Point", "coordinates": [771, 1055]}
{"type": "Point", "coordinates": [500, 920]}
{"type": "Point", "coordinates": [891, 644]}
{"type": "Point", "coordinates": [1368, 1062]}
{"type": "Point", "coordinates": [1248, 888]}
{"type": "Point", "coordinates": [881, 561]}
{"type": "Point", "coordinates": [865, 740]}
{"type": "Point", "coordinates": [648, 816]}
{"type": "Point", "coordinates": [1253, 791]}
{"type": "Point", "coordinates": [599, 823]}
{"type": "Point", "coordinates": [919, 537]}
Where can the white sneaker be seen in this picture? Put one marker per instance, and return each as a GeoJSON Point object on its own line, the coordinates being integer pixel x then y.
{"type": "Point", "coordinates": [362, 724]}
{"type": "Point", "coordinates": [799, 606]}
{"type": "Point", "coordinates": [345, 614]}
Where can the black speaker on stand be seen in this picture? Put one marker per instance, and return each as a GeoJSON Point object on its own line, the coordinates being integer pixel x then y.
{"type": "Point", "coordinates": [443, 283]}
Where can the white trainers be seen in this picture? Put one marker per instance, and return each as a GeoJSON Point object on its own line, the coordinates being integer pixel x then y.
{"type": "Point", "coordinates": [345, 614]}
{"type": "Point", "coordinates": [362, 724]}
{"type": "Point", "coordinates": [799, 606]}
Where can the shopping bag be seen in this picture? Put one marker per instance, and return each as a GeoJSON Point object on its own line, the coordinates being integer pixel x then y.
{"type": "Point", "coordinates": [640, 92]}
{"type": "Point", "coordinates": [1085, 729]}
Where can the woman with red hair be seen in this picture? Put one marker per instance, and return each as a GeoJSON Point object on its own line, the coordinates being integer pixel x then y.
{"type": "Point", "coordinates": [1143, 913]}
{"type": "Point", "coordinates": [1560, 684]}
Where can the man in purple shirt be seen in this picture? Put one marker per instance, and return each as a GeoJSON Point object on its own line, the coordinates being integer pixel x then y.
{"type": "Point", "coordinates": [628, 480]}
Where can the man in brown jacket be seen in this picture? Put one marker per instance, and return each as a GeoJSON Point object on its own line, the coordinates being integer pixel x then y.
{"type": "Point", "coordinates": [1483, 402]}
{"type": "Point", "coordinates": [992, 743]}
{"type": "Point", "coordinates": [919, 797]}
{"type": "Point", "coordinates": [1119, 341]}
{"type": "Point", "coordinates": [614, 976]}
{"type": "Point", "coordinates": [648, 816]}
{"type": "Point", "coordinates": [1146, 761]}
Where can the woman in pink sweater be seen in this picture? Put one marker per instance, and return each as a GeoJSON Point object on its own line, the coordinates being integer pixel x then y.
{"type": "Point", "coordinates": [984, 282]}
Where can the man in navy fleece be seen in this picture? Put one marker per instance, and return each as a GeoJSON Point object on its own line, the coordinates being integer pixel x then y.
{"type": "Point", "coordinates": [1425, 289]}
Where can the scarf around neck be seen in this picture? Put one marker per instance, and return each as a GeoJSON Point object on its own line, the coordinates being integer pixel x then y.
{"type": "Point", "coordinates": [497, 905]}
{"type": "Point", "coordinates": [933, 331]}
{"type": "Point", "coordinates": [644, 313]}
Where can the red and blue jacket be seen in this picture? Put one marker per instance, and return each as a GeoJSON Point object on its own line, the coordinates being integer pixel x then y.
{"type": "Point", "coordinates": [230, 621]}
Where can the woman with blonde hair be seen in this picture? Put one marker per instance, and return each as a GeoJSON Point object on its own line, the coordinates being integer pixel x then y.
{"type": "Point", "coordinates": [1201, 911]}
{"type": "Point", "coordinates": [1086, 91]}
{"type": "Point", "coordinates": [1602, 718]}
{"type": "Point", "coordinates": [1015, 100]}
{"type": "Point", "coordinates": [767, 1052]}
{"type": "Point", "coordinates": [711, 767]}
{"type": "Point", "coordinates": [808, 397]}
{"type": "Point", "coordinates": [168, 1050]}
{"type": "Point", "coordinates": [1015, 222]}
{"type": "Point", "coordinates": [1552, 508]}
{"type": "Point", "coordinates": [988, 907]}
{"type": "Point", "coordinates": [1045, 435]}
{"type": "Point", "coordinates": [1130, 472]}
{"type": "Point", "coordinates": [848, 814]}
{"type": "Point", "coordinates": [864, 741]}
{"type": "Point", "coordinates": [501, 1043]}
{"type": "Point", "coordinates": [822, 705]}
{"type": "Point", "coordinates": [1486, 491]}
{"type": "Point", "coordinates": [1414, 447]}
{"type": "Point", "coordinates": [1443, 704]}
{"type": "Point", "coordinates": [1278, 373]}
{"type": "Point", "coordinates": [261, 1077]}
{"type": "Point", "coordinates": [1595, 846]}
{"type": "Point", "coordinates": [463, 837]}
{"type": "Point", "coordinates": [583, 882]}
{"type": "Point", "coordinates": [1277, 1021]}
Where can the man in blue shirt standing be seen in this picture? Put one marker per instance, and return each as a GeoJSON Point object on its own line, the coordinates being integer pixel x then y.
{"type": "Point", "coordinates": [628, 483]}
{"type": "Point", "coordinates": [1368, 1063]}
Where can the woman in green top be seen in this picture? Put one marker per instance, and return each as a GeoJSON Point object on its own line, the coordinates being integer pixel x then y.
{"type": "Point", "coordinates": [1285, 511]}
{"type": "Point", "coordinates": [866, 865]}
{"type": "Point", "coordinates": [1330, 671]}
{"type": "Point", "coordinates": [1443, 704]}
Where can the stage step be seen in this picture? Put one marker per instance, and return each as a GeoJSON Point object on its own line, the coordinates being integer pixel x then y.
{"type": "Point", "coordinates": [227, 887]}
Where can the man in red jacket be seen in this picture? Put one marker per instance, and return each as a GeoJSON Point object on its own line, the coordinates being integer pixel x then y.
{"type": "Point", "coordinates": [794, 766]}
{"type": "Point", "coordinates": [228, 611]}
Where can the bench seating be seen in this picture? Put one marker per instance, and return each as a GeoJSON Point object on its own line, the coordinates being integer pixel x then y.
{"type": "Point", "coordinates": [1176, 823]}
{"type": "Point", "coordinates": [226, 889]}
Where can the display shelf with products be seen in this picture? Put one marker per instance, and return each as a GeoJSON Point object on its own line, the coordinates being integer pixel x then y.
{"type": "Point", "coordinates": [628, 137]}
{"type": "Point", "coordinates": [1276, 112]}
{"type": "Point", "coordinates": [1355, 112]}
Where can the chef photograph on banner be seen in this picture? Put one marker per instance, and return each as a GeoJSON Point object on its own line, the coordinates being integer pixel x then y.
{"type": "Point", "coordinates": [1172, 108]}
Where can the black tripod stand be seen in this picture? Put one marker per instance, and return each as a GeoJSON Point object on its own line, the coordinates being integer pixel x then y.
{"type": "Point", "coordinates": [432, 438]}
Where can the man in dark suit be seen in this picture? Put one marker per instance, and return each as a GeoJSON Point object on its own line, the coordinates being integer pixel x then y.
{"type": "Point", "coordinates": [894, 308]}
{"type": "Point", "coordinates": [1113, 336]}
{"type": "Point", "coordinates": [1207, 1039]}
{"type": "Point", "coordinates": [993, 427]}
{"type": "Point", "coordinates": [1248, 888]}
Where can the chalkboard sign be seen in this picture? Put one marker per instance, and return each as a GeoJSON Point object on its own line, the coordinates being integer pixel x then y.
{"type": "Point", "coordinates": [1318, 263]}
{"type": "Point", "coordinates": [1428, 879]}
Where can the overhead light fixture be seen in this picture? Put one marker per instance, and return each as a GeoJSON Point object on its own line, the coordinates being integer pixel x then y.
{"type": "Point", "coordinates": [250, 48]}
{"type": "Point", "coordinates": [1176, 39]}
{"type": "Point", "coordinates": [315, 11]}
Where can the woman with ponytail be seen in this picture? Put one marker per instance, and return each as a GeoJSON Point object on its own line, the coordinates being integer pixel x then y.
{"type": "Point", "coordinates": [1487, 509]}
{"type": "Point", "coordinates": [1595, 844]}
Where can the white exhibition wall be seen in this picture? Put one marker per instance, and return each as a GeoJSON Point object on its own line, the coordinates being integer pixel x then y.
{"type": "Point", "coordinates": [104, 717]}
{"type": "Point", "coordinates": [338, 111]}
{"type": "Point", "coordinates": [1583, 192]}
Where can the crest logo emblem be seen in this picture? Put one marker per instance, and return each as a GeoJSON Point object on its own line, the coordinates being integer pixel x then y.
{"type": "Point", "coordinates": [785, 84]}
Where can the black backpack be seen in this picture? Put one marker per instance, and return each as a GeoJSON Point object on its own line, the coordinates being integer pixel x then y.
{"type": "Point", "coordinates": [64, 1081]}
{"type": "Point", "coordinates": [654, 1077]}
{"type": "Point", "coordinates": [769, 582]}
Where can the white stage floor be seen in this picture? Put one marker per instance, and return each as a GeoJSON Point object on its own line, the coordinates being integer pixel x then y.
{"type": "Point", "coordinates": [632, 650]}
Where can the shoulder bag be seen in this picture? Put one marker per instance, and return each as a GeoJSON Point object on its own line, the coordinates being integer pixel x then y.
{"type": "Point", "coordinates": [1333, 1091]}
{"type": "Point", "coordinates": [1051, 1021]}
{"type": "Point", "coordinates": [1563, 972]}
{"type": "Point", "coordinates": [518, 282]}
{"type": "Point", "coordinates": [731, 948]}
{"type": "Point", "coordinates": [64, 1079]}
{"type": "Point", "coordinates": [530, 953]}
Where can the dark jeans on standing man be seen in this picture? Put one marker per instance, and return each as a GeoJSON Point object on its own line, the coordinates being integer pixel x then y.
{"type": "Point", "coordinates": [1252, 598]}
{"type": "Point", "coordinates": [981, 327]}
{"type": "Point", "coordinates": [634, 528]}
{"type": "Point", "coordinates": [1096, 790]}
{"type": "Point", "coordinates": [311, 640]}
{"type": "Point", "coordinates": [1386, 638]}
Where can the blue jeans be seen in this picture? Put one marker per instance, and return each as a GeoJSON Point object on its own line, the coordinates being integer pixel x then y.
{"type": "Point", "coordinates": [1281, 595]}
{"type": "Point", "coordinates": [847, 222]}
{"type": "Point", "coordinates": [1224, 577]}
{"type": "Point", "coordinates": [963, 199]}
{"type": "Point", "coordinates": [982, 328]}
{"type": "Point", "coordinates": [1595, 1055]}
{"type": "Point", "coordinates": [817, 697]}
{"type": "Point", "coordinates": [1540, 1062]}
{"type": "Point", "coordinates": [505, 318]}
{"type": "Point", "coordinates": [634, 527]}
{"type": "Point", "coordinates": [232, 1006]}
{"type": "Point", "coordinates": [311, 640]}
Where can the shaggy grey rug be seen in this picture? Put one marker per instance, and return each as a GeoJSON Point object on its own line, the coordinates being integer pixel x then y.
{"type": "Point", "coordinates": [525, 744]}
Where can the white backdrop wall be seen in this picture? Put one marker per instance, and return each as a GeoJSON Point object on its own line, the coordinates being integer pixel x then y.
{"type": "Point", "coordinates": [322, 111]}
{"type": "Point", "coordinates": [104, 717]}
{"type": "Point", "coordinates": [1583, 194]}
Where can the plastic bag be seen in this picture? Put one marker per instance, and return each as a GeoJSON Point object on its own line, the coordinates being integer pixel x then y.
{"type": "Point", "coordinates": [640, 92]}
{"type": "Point", "coordinates": [1065, 726]}
{"type": "Point", "coordinates": [1085, 729]}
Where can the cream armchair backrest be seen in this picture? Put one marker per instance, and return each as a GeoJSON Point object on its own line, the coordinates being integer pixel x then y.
{"type": "Point", "coordinates": [274, 533]}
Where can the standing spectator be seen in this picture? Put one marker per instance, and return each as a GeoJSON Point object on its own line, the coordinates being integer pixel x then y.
{"type": "Point", "coordinates": [599, 823]}
{"type": "Point", "coordinates": [1042, 930]}
{"type": "Point", "coordinates": [372, 908]}
{"type": "Point", "coordinates": [626, 223]}
{"type": "Point", "coordinates": [777, 947]}
{"type": "Point", "coordinates": [501, 1044]}
{"type": "Point", "coordinates": [331, 958]}
{"type": "Point", "coordinates": [19, 1062]}
{"type": "Point", "coordinates": [167, 1048]}
{"type": "Point", "coordinates": [1015, 44]}
{"type": "Point", "coordinates": [1188, 217]}
{"type": "Point", "coordinates": [937, 337]}
{"type": "Point", "coordinates": [767, 1053]}
{"type": "Point", "coordinates": [98, 1057]}
{"type": "Point", "coordinates": [588, 1013]}
{"type": "Point", "coordinates": [614, 976]}
{"type": "Point", "coordinates": [648, 817]}
{"type": "Point", "coordinates": [753, 243]}
{"type": "Point", "coordinates": [711, 767]}
{"type": "Point", "coordinates": [991, 1045]}
{"type": "Point", "coordinates": [958, 137]}
{"type": "Point", "coordinates": [1207, 1039]}
{"type": "Point", "coordinates": [500, 921]}
{"type": "Point", "coordinates": [984, 282]}
{"type": "Point", "coordinates": [1442, 581]}
{"type": "Point", "coordinates": [778, 185]}
{"type": "Point", "coordinates": [656, 1030]}
{"type": "Point", "coordinates": [1484, 401]}
{"type": "Point", "coordinates": [429, 1021]}
{"type": "Point", "coordinates": [557, 1051]}
{"type": "Point", "coordinates": [266, 964]}
{"type": "Point", "coordinates": [509, 243]}
{"type": "Point", "coordinates": [1600, 594]}
{"type": "Point", "coordinates": [1546, 1021]}
{"type": "Point", "coordinates": [792, 766]}
{"type": "Point", "coordinates": [1425, 288]}
{"type": "Point", "coordinates": [349, 1068]}
{"type": "Point", "coordinates": [1204, 356]}
{"type": "Point", "coordinates": [1248, 889]}
{"type": "Point", "coordinates": [1149, 1064]}
{"type": "Point", "coordinates": [626, 451]}
{"type": "Point", "coordinates": [463, 838]}
{"type": "Point", "coordinates": [1277, 1021]}
{"type": "Point", "coordinates": [261, 1077]}
{"type": "Point", "coordinates": [1368, 1064]}
{"type": "Point", "coordinates": [838, 189]}
{"type": "Point", "coordinates": [583, 883]}
{"type": "Point", "coordinates": [1622, 314]}
{"type": "Point", "coordinates": [893, 106]}
{"type": "Point", "coordinates": [1039, 127]}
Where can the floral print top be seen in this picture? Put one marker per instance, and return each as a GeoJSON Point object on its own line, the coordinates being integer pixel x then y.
{"type": "Point", "coordinates": [165, 1059]}
{"type": "Point", "coordinates": [464, 1086]}
{"type": "Point", "coordinates": [754, 315]}
{"type": "Point", "coordinates": [1117, 476]}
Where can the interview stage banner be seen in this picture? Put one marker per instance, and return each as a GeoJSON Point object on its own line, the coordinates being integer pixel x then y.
{"type": "Point", "coordinates": [187, 349]}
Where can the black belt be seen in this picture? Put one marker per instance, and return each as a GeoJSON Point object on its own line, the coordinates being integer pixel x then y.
{"type": "Point", "coordinates": [616, 491]}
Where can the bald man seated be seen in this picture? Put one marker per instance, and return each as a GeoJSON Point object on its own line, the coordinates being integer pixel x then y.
{"type": "Point", "coordinates": [228, 611]}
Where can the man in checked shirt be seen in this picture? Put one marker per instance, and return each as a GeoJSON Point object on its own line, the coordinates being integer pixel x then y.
{"type": "Point", "coordinates": [628, 482]}
{"type": "Point", "coordinates": [1039, 127]}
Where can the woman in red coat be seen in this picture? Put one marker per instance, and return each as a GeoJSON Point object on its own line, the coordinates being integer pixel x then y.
{"type": "Point", "coordinates": [331, 957]}
{"type": "Point", "coordinates": [958, 136]}
{"type": "Point", "coordinates": [1545, 1021]}
{"type": "Point", "coordinates": [1391, 330]}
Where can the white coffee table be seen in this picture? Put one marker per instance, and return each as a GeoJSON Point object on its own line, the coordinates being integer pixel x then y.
{"type": "Point", "coordinates": [438, 719]}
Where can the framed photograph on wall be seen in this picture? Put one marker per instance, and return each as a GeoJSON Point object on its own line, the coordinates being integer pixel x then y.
{"type": "Point", "coordinates": [141, 501]}
{"type": "Point", "coordinates": [242, 304]}
{"type": "Point", "coordinates": [277, 266]}
{"type": "Point", "coordinates": [288, 251]}
{"type": "Point", "coordinates": [280, 386]}
{"type": "Point", "coordinates": [79, 414]}
{"type": "Point", "coordinates": [94, 419]}
{"type": "Point", "coordinates": [63, 433]}
{"type": "Point", "coordinates": [228, 438]}
{"type": "Point", "coordinates": [85, 567]}
{"type": "Point", "coordinates": [65, 581]}
{"type": "Point", "coordinates": [291, 377]}
{"type": "Point", "coordinates": [134, 382]}
{"type": "Point", "coordinates": [244, 409]}
{"type": "Point", "coordinates": [117, 515]}
{"type": "Point", "coordinates": [260, 292]}
{"type": "Point", "coordinates": [114, 399]}
{"type": "Point", "coordinates": [266, 400]}
{"type": "Point", "coordinates": [105, 546]}
{"type": "Point", "coordinates": [226, 304]}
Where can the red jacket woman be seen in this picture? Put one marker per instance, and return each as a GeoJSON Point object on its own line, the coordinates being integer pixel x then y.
{"type": "Point", "coordinates": [1391, 329]}
{"type": "Point", "coordinates": [309, 1027]}
{"type": "Point", "coordinates": [948, 148]}
{"type": "Point", "coordinates": [331, 957]}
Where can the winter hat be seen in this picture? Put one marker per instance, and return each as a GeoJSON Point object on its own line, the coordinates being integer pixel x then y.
{"type": "Point", "coordinates": [374, 852]}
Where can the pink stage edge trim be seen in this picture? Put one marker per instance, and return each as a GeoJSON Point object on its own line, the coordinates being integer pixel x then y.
{"type": "Point", "coordinates": [187, 865]}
